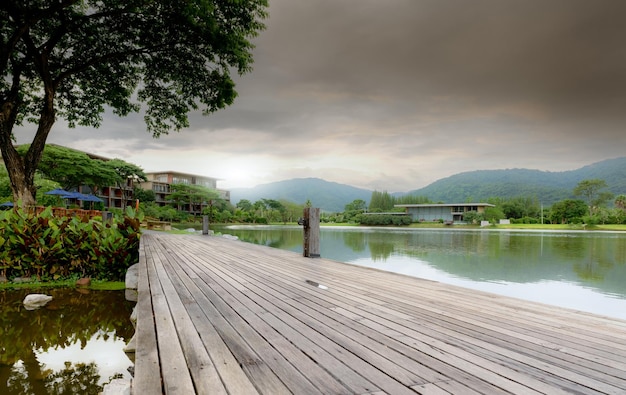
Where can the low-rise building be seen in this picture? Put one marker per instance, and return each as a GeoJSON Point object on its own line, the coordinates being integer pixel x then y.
{"type": "Point", "coordinates": [121, 196]}
{"type": "Point", "coordinates": [160, 183]}
{"type": "Point", "coordinates": [452, 212]}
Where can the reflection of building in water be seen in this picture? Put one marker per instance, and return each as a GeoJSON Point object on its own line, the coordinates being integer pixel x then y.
{"type": "Point", "coordinates": [452, 212]}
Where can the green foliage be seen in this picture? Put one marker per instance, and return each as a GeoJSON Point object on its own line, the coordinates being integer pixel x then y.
{"type": "Point", "coordinates": [473, 217]}
{"type": "Point", "coordinates": [356, 205]}
{"type": "Point", "coordinates": [352, 211]}
{"type": "Point", "coordinates": [520, 206]}
{"type": "Point", "coordinates": [193, 197]}
{"type": "Point", "coordinates": [50, 247]}
{"type": "Point", "coordinates": [381, 202]}
{"type": "Point", "coordinates": [592, 192]}
{"type": "Point", "coordinates": [72, 59]}
{"type": "Point", "coordinates": [384, 219]}
{"type": "Point", "coordinates": [384, 202]}
{"type": "Point", "coordinates": [568, 211]}
{"type": "Point", "coordinates": [71, 168]}
{"type": "Point", "coordinates": [144, 195]}
{"type": "Point", "coordinates": [493, 214]}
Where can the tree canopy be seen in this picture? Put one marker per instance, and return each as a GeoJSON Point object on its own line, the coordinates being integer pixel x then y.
{"type": "Point", "coordinates": [73, 59]}
{"type": "Point", "coordinates": [591, 191]}
{"type": "Point", "coordinates": [192, 196]}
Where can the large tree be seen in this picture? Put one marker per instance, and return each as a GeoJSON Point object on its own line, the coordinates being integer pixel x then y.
{"type": "Point", "coordinates": [591, 191]}
{"type": "Point", "coordinates": [194, 197]}
{"type": "Point", "coordinates": [72, 168]}
{"type": "Point", "coordinates": [73, 59]}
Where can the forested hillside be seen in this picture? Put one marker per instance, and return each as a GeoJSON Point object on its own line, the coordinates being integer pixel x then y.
{"type": "Point", "coordinates": [329, 196]}
{"type": "Point", "coordinates": [548, 187]}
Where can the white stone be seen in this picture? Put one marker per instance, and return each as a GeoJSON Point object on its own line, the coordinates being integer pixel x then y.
{"type": "Point", "coordinates": [133, 316]}
{"type": "Point", "coordinates": [35, 301]}
{"type": "Point", "coordinates": [132, 279]}
{"type": "Point", "coordinates": [131, 295]}
{"type": "Point", "coordinates": [132, 344]}
{"type": "Point", "coordinates": [117, 387]}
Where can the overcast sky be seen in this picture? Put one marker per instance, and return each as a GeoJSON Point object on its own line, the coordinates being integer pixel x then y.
{"type": "Point", "coordinates": [396, 94]}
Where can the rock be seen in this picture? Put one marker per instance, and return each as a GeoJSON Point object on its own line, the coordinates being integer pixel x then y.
{"type": "Point", "coordinates": [230, 237]}
{"type": "Point", "coordinates": [132, 279]}
{"type": "Point", "coordinates": [35, 301]}
{"type": "Point", "coordinates": [83, 291]}
{"type": "Point", "coordinates": [133, 317]}
{"type": "Point", "coordinates": [132, 344]}
{"type": "Point", "coordinates": [117, 387]}
{"type": "Point", "coordinates": [18, 280]}
{"type": "Point", "coordinates": [83, 282]}
{"type": "Point", "coordinates": [131, 295]}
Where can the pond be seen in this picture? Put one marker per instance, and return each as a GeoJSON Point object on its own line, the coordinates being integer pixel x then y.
{"type": "Point", "coordinates": [582, 270]}
{"type": "Point", "coordinates": [73, 345]}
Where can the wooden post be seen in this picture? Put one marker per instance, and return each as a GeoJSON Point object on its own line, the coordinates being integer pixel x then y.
{"type": "Point", "coordinates": [107, 217]}
{"type": "Point", "coordinates": [205, 224]}
{"type": "Point", "coordinates": [311, 223]}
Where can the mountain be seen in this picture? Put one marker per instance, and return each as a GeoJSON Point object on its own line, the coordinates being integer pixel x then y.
{"type": "Point", "coordinates": [547, 187]}
{"type": "Point", "coordinates": [328, 196]}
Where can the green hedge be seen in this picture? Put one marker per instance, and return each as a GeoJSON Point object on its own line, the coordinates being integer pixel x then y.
{"type": "Point", "coordinates": [49, 247]}
{"type": "Point", "coordinates": [384, 219]}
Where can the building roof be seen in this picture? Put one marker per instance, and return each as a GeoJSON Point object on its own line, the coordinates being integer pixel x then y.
{"type": "Point", "coordinates": [180, 173]}
{"type": "Point", "coordinates": [445, 205]}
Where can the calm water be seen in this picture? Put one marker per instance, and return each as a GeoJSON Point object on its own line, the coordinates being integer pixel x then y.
{"type": "Point", "coordinates": [73, 345]}
{"type": "Point", "coordinates": [579, 270]}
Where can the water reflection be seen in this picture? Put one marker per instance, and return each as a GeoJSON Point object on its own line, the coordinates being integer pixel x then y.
{"type": "Point", "coordinates": [580, 270]}
{"type": "Point", "coordinates": [71, 346]}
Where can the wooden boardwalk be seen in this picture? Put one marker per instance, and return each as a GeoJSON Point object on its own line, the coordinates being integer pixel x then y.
{"type": "Point", "coordinates": [218, 316]}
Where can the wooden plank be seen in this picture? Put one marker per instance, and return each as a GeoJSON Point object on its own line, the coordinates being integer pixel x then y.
{"type": "Point", "coordinates": [491, 389]}
{"type": "Point", "coordinates": [208, 327]}
{"type": "Point", "coordinates": [175, 374]}
{"type": "Point", "coordinates": [498, 382]}
{"type": "Point", "coordinates": [319, 377]}
{"type": "Point", "coordinates": [147, 378]}
{"type": "Point", "coordinates": [205, 378]}
{"type": "Point", "coordinates": [289, 324]}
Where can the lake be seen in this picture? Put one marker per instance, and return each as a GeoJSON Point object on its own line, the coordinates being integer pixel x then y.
{"type": "Point", "coordinates": [582, 270]}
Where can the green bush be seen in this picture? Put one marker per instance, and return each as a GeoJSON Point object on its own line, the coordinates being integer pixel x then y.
{"type": "Point", "coordinates": [51, 247]}
{"type": "Point", "coordinates": [384, 219]}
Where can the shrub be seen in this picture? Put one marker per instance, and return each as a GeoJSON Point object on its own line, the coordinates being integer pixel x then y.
{"type": "Point", "coordinates": [384, 219]}
{"type": "Point", "coordinates": [58, 247]}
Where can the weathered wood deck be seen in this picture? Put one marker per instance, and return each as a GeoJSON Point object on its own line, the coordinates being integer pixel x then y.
{"type": "Point", "coordinates": [221, 316]}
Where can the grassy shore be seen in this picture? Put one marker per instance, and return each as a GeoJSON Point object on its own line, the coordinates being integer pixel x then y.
{"type": "Point", "coordinates": [71, 283]}
{"type": "Point", "coordinates": [430, 225]}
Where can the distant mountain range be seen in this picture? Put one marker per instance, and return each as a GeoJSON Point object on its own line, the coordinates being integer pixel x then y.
{"type": "Point", "coordinates": [547, 187]}
{"type": "Point", "coordinates": [328, 196]}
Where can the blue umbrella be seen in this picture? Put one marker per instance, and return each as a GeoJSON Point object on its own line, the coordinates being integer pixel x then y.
{"type": "Point", "coordinates": [90, 198]}
{"type": "Point", "coordinates": [82, 197]}
{"type": "Point", "coordinates": [6, 204]}
{"type": "Point", "coordinates": [72, 195]}
{"type": "Point", "coordinates": [57, 191]}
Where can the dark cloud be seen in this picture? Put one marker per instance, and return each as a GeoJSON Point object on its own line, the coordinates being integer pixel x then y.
{"type": "Point", "coordinates": [395, 94]}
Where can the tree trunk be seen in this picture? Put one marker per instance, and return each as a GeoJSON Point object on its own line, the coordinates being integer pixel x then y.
{"type": "Point", "coordinates": [21, 170]}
